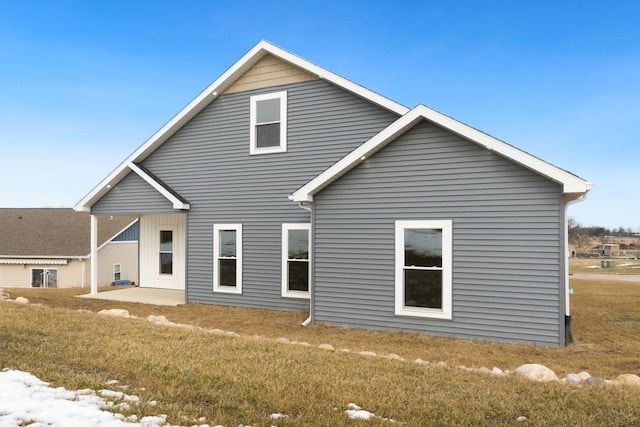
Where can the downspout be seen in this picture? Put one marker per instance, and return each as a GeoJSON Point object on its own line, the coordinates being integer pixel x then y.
{"type": "Point", "coordinates": [307, 321]}
{"type": "Point", "coordinates": [568, 336]}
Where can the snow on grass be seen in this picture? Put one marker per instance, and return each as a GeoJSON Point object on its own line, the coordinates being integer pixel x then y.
{"type": "Point", "coordinates": [26, 400]}
{"type": "Point", "coordinates": [355, 412]}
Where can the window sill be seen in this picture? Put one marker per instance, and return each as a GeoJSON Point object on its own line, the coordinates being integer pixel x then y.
{"type": "Point", "coordinates": [227, 290]}
{"type": "Point", "coordinates": [423, 313]}
{"type": "Point", "coordinates": [296, 294]}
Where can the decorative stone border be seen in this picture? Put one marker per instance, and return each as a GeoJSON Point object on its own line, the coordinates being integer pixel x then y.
{"type": "Point", "coordinates": [531, 371]}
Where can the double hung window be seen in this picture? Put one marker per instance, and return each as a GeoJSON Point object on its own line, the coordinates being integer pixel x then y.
{"type": "Point", "coordinates": [227, 258]}
{"type": "Point", "coordinates": [295, 260]}
{"type": "Point", "coordinates": [423, 268]}
{"type": "Point", "coordinates": [166, 251]}
{"type": "Point", "coordinates": [116, 272]}
{"type": "Point", "coordinates": [268, 116]}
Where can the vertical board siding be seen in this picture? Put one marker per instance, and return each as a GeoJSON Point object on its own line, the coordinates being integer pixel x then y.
{"type": "Point", "coordinates": [208, 163]}
{"type": "Point", "coordinates": [149, 246]}
{"type": "Point", "coordinates": [507, 280]}
{"type": "Point", "coordinates": [132, 196]}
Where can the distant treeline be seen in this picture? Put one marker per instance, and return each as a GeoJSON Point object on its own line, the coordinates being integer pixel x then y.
{"type": "Point", "coordinates": [576, 229]}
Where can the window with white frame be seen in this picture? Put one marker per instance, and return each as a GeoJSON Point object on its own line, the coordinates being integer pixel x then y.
{"type": "Point", "coordinates": [268, 117]}
{"type": "Point", "coordinates": [116, 272]}
{"type": "Point", "coordinates": [423, 284]}
{"type": "Point", "coordinates": [295, 260]}
{"type": "Point", "coordinates": [227, 258]}
{"type": "Point", "coordinates": [166, 252]}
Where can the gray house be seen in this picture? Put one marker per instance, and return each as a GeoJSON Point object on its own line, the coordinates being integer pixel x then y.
{"type": "Point", "coordinates": [285, 186]}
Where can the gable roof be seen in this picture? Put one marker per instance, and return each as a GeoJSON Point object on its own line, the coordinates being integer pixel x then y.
{"type": "Point", "coordinates": [53, 232]}
{"type": "Point", "coordinates": [208, 95]}
{"type": "Point", "coordinates": [572, 185]}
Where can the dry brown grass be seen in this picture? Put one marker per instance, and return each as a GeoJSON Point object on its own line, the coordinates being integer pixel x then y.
{"type": "Point", "coordinates": [229, 381]}
{"type": "Point", "coordinates": [606, 327]}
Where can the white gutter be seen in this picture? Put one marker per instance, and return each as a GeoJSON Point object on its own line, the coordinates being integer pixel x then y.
{"type": "Point", "coordinates": [307, 321]}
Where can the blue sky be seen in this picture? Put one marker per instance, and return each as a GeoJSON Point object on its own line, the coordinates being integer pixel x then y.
{"type": "Point", "coordinates": [84, 83]}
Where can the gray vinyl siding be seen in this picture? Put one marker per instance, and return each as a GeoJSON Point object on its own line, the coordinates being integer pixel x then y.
{"type": "Point", "coordinates": [508, 282]}
{"type": "Point", "coordinates": [208, 163]}
{"type": "Point", "coordinates": [132, 196]}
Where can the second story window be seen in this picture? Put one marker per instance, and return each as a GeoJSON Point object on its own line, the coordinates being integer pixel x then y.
{"type": "Point", "coordinates": [268, 133]}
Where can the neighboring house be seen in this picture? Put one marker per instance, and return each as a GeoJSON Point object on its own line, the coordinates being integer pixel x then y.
{"type": "Point", "coordinates": [285, 186]}
{"type": "Point", "coordinates": [49, 248]}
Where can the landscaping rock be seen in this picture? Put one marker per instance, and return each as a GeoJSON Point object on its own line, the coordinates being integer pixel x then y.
{"type": "Point", "coordinates": [394, 356]}
{"type": "Point", "coordinates": [497, 371]}
{"type": "Point", "coordinates": [327, 347]}
{"type": "Point", "coordinates": [628, 379]}
{"type": "Point", "coordinates": [583, 376]}
{"type": "Point", "coordinates": [521, 419]}
{"type": "Point", "coordinates": [217, 331]}
{"type": "Point", "coordinates": [159, 320]}
{"type": "Point", "coordinates": [573, 379]}
{"type": "Point", "coordinates": [115, 312]}
{"type": "Point", "coordinates": [536, 372]}
{"type": "Point", "coordinates": [367, 353]}
{"type": "Point", "coordinates": [594, 381]}
{"type": "Point", "coordinates": [283, 340]}
{"type": "Point", "coordinates": [22, 300]}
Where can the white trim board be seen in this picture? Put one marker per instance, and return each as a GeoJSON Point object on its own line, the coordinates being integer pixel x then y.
{"type": "Point", "coordinates": [570, 183]}
{"type": "Point", "coordinates": [211, 92]}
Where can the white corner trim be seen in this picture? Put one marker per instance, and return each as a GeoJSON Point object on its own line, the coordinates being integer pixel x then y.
{"type": "Point", "coordinates": [571, 183]}
{"type": "Point", "coordinates": [177, 203]}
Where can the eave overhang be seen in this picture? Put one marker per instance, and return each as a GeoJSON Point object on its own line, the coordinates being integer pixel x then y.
{"type": "Point", "coordinates": [571, 184]}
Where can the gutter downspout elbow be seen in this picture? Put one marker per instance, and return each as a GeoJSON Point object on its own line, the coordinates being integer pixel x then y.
{"type": "Point", "coordinates": [307, 321]}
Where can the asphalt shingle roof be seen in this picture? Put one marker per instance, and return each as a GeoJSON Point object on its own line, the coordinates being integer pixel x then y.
{"type": "Point", "coordinates": [61, 232]}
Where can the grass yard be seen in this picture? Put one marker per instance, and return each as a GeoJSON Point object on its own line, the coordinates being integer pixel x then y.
{"type": "Point", "coordinates": [594, 266]}
{"type": "Point", "coordinates": [232, 381]}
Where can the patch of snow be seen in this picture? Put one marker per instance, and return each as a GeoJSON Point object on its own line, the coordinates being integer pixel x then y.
{"type": "Point", "coordinates": [277, 416]}
{"type": "Point", "coordinates": [27, 400]}
{"type": "Point", "coordinates": [359, 414]}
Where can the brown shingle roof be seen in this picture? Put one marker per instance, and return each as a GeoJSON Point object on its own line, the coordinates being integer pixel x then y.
{"type": "Point", "coordinates": [48, 232]}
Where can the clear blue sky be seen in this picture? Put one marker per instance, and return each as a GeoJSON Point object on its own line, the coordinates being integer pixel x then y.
{"type": "Point", "coordinates": [84, 83]}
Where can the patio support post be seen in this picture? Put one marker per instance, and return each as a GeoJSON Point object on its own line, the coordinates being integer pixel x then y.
{"type": "Point", "coordinates": [94, 254]}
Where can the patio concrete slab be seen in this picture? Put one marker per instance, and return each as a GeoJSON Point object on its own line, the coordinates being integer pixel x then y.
{"type": "Point", "coordinates": [153, 296]}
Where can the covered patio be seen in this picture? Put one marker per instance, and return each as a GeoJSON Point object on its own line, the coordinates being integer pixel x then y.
{"type": "Point", "coordinates": [153, 296]}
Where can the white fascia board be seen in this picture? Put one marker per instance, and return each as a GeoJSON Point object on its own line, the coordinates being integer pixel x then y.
{"type": "Point", "coordinates": [571, 183]}
{"type": "Point", "coordinates": [334, 78]}
{"type": "Point", "coordinates": [211, 92]}
{"type": "Point", "coordinates": [306, 192]}
{"type": "Point", "coordinates": [177, 203]}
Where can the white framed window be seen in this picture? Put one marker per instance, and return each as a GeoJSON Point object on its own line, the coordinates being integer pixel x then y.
{"type": "Point", "coordinates": [116, 272]}
{"type": "Point", "coordinates": [268, 117]}
{"type": "Point", "coordinates": [227, 258]}
{"type": "Point", "coordinates": [166, 252]}
{"type": "Point", "coordinates": [295, 260]}
{"type": "Point", "coordinates": [423, 283]}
